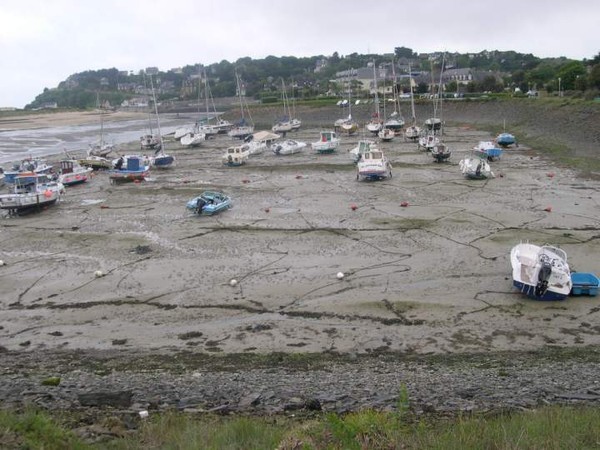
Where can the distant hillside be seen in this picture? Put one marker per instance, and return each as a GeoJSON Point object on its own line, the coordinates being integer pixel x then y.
{"type": "Point", "coordinates": [310, 77]}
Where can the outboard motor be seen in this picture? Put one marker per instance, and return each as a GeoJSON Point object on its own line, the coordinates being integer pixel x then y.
{"type": "Point", "coordinates": [248, 138]}
{"type": "Point", "coordinates": [200, 203]}
{"type": "Point", "coordinates": [542, 285]}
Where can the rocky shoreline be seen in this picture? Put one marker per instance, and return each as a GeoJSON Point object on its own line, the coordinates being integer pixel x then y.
{"type": "Point", "coordinates": [439, 386]}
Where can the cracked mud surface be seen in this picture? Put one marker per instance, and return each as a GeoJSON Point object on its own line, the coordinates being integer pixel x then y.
{"type": "Point", "coordinates": [432, 277]}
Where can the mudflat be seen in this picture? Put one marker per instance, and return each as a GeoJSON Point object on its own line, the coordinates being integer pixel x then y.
{"type": "Point", "coordinates": [425, 256]}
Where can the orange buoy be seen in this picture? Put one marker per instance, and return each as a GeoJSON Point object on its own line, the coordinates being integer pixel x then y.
{"type": "Point", "coordinates": [404, 204]}
{"type": "Point", "coordinates": [548, 209]}
{"type": "Point", "coordinates": [550, 174]}
{"type": "Point", "coordinates": [353, 207]}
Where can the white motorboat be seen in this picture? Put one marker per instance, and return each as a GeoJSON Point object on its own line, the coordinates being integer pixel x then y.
{"type": "Point", "coordinates": [373, 165]}
{"type": "Point", "coordinates": [541, 273]}
{"type": "Point", "coordinates": [328, 142]}
{"type": "Point", "coordinates": [31, 191]}
{"type": "Point", "coordinates": [288, 147]}
{"type": "Point", "coordinates": [475, 168]}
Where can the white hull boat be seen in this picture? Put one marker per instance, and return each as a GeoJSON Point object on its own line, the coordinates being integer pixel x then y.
{"type": "Point", "coordinates": [541, 273]}
{"type": "Point", "coordinates": [288, 147]}
{"type": "Point", "coordinates": [475, 168]}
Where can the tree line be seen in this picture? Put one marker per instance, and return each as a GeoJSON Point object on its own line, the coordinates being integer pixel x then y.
{"type": "Point", "coordinates": [262, 77]}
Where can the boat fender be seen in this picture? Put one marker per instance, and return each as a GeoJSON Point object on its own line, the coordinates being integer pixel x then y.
{"type": "Point", "coordinates": [47, 193]}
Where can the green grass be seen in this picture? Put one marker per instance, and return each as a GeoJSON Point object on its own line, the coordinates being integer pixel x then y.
{"type": "Point", "coordinates": [557, 427]}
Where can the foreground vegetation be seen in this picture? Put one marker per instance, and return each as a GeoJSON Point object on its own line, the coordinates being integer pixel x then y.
{"type": "Point", "coordinates": [547, 428]}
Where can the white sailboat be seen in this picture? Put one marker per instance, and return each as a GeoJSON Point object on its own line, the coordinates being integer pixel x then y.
{"type": "Point", "coordinates": [375, 124]}
{"type": "Point", "coordinates": [242, 128]}
{"type": "Point", "coordinates": [160, 160]}
{"type": "Point", "coordinates": [413, 131]}
{"type": "Point", "coordinates": [284, 123]}
{"type": "Point", "coordinates": [395, 121]}
{"type": "Point", "coordinates": [100, 148]}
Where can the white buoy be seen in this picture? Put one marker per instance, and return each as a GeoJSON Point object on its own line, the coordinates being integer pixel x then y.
{"type": "Point", "coordinates": [233, 282]}
{"type": "Point", "coordinates": [143, 414]}
{"type": "Point", "coordinates": [1, 262]}
{"type": "Point", "coordinates": [340, 275]}
{"type": "Point", "coordinates": [98, 274]}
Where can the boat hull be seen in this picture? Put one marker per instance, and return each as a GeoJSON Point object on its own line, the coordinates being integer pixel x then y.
{"type": "Point", "coordinates": [541, 273]}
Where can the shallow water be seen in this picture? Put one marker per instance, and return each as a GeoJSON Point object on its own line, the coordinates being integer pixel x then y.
{"type": "Point", "coordinates": [16, 145]}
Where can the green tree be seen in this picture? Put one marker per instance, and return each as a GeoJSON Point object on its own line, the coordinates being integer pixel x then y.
{"type": "Point", "coordinates": [404, 52]}
{"type": "Point", "coordinates": [569, 73]}
{"type": "Point", "coordinates": [594, 77]}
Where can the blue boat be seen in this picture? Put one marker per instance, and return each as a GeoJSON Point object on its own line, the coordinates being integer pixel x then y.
{"type": "Point", "coordinates": [209, 203]}
{"type": "Point", "coordinates": [584, 283]}
{"type": "Point", "coordinates": [487, 149]}
{"type": "Point", "coordinates": [162, 160]}
{"type": "Point", "coordinates": [505, 140]}
{"type": "Point", "coordinates": [134, 170]}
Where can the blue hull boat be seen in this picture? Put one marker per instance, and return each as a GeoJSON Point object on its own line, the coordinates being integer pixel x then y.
{"type": "Point", "coordinates": [505, 140]}
{"type": "Point", "coordinates": [209, 203]}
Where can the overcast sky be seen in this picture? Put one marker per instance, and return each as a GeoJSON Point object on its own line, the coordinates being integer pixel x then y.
{"type": "Point", "coordinates": [42, 42]}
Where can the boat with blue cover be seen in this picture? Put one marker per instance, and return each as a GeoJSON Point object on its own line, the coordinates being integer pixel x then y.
{"type": "Point", "coordinates": [134, 170]}
{"type": "Point", "coordinates": [505, 140]}
{"type": "Point", "coordinates": [489, 150]}
{"type": "Point", "coordinates": [209, 203]}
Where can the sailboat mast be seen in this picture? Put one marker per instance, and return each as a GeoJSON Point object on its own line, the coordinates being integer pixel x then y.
{"type": "Point", "coordinates": [206, 94]}
{"type": "Point", "coordinates": [156, 111]}
{"type": "Point", "coordinates": [412, 96]}
{"type": "Point", "coordinates": [441, 92]}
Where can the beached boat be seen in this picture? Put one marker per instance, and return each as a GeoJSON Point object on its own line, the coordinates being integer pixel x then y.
{"type": "Point", "coordinates": [160, 159]}
{"type": "Point", "coordinates": [96, 162]}
{"type": "Point", "coordinates": [288, 147]}
{"type": "Point", "coordinates": [505, 140]}
{"type": "Point", "coordinates": [487, 149]}
{"type": "Point", "coordinates": [243, 127]}
{"type": "Point", "coordinates": [133, 168]}
{"type": "Point", "coordinates": [441, 152]}
{"type": "Point", "coordinates": [209, 203]}
{"type": "Point", "coordinates": [71, 172]}
{"type": "Point", "coordinates": [362, 147]}
{"type": "Point", "coordinates": [31, 191]}
{"type": "Point", "coordinates": [260, 141]}
{"type": "Point", "coordinates": [475, 168]}
{"type": "Point", "coordinates": [428, 141]}
{"type": "Point", "coordinates": [541, 273]}
{"type": "Point", "coordinates": [150, 142]}
{"type": "Point", "coordinates": [386, 134]}
{"type": "Point", "coordinates": [236, 155]}
{"type": "Point", "coordinates": [35, 165]}
{"type": "Point", "coordinates": [375, 124]}
{"type": "Point", "coordinates": [101, 147]}
{"type": "Point", "coordinates": [395, 121]}
{"type": "Point", "coordinates": [373, 165]}
{"type": "Point", "coordinates": [192, 139]}
{"type": "Point", "coordinates": [413, 132]}
{"type": "Point", "coordinates": [327, 143]}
